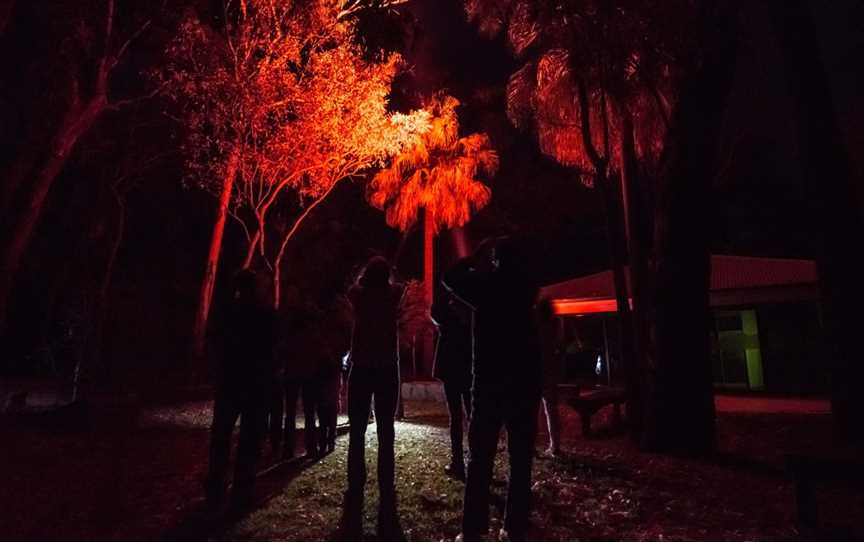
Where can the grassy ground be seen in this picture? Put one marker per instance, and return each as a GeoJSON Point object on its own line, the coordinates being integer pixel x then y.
{"type": "Point", "coordinates": [141, 484]}
{"type": "Point", "coordinates": [599, 490]}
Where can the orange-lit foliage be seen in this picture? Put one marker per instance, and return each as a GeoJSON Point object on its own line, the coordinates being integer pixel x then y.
{"type": "Point", "coordinates": [285, 84]}
{"type": "Point", "coordinates": [439, 173]}
{"type": "Point", "coordinates": [605, 58]}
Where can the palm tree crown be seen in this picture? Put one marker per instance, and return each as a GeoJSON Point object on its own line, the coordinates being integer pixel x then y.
{"type": "Point", "coordinates": [439, 174]}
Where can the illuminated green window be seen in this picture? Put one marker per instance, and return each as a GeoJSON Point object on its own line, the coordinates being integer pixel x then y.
{"type": "Point", "coordinates": [737, 357]}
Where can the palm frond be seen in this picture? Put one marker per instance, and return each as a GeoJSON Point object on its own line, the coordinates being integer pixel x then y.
{"type": "Point", "coordinates": [439, 173]}
{"type": "Point", "coordinates": [520, 95]}
{"type": "Point", "coordinates": [523, 30]}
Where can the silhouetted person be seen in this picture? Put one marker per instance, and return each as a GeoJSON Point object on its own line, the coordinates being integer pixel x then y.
{"type": "Point", "coordinates": [376, 303]}
{"type": "Point", "coordinates": [329, 367]}
{"type": "Point", "coordinates": [552, 361]}
{"type": "Point", "coordinates": [301, 354]}
{"type": "Point", "coordinates": [336, 340]}
{"type": "Point", "coordinates": [242, 390]}
{"type": "Point", "coordinates": [276, 412]}
{"type": "Point", "coordinates": [507, 381]}
{"type": "Point", "coordinates": [453, 369]}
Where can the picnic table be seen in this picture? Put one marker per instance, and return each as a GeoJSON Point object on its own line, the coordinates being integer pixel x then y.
{"type": "Point", "coordinates": [587, 401]}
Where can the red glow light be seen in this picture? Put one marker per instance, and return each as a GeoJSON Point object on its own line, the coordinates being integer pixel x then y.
{"type": "Point", "coordinates": [583, 306]}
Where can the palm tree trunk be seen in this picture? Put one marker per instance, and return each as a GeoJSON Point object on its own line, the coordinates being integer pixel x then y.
{"type": "Point", "coordinates": [638, 272]}
{"type": "Point", "coordinates": [428, 287]}
{"type": "Point", "coordinates": [619, 275]}
{"type": "Point", "coordinates": [428, 257]}
{"type": "Point", "coordinates": [199, 329]}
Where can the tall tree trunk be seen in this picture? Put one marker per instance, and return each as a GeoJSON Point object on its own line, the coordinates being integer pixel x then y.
{"type": "Point", "coordinates": [619, 276]}
{"type": "Point", "coordinates": [428, 257]}
{"type": "Point", "coordinates": [680, 398]}
{"type": "Point", "coordinates": [428, 287]}
{"type": "Point", "coordinates": [199, 329]}
{"type": "Point", "coordinates": [75, 124]}
{"type": "Point", "coordinates": [95, 341]}
{"type": "Point", "coordinates": [612, 218]}
{"type": "Point", "coordinates": [638, 272]}
{"type": "Point", "coordinates": [829, 189]}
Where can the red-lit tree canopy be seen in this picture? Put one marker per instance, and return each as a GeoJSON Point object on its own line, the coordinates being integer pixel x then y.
{"type": "Point", "coordinates": [440, 174]}
{"type": "Point", "coordinates": [280, 98]}
{"type": "Point", "coordinates": [585, 66]}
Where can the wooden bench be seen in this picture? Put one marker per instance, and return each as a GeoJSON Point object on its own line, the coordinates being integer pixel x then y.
{"type": "Point", "coordinates": [809, 470]}
{"type": "Point", "coordinates": [588, 402]}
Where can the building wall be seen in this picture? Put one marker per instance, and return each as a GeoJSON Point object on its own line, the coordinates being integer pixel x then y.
{"type": "Point", "coordinates": [775, 348]}
{"type": "Point", "coordinates": [794, 351]}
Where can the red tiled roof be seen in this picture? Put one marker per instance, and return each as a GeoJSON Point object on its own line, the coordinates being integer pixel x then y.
{"type": "Point", "coordinates": [727, 273]}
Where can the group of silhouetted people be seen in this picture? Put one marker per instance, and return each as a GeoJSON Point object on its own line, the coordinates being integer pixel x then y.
{"type": "Point", "coordinates": [310, 369]}
{"type": "Point", "coordinates": [490, 358]}
{"type": "Point", "coordinates": [268, 362]}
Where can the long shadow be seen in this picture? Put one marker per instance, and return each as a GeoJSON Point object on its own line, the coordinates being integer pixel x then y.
{"type": "Point", "coordinates": [270, 483]}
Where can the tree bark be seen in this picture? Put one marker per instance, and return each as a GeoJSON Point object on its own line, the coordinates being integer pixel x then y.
{"type": "Point", "coordinates": [638, 272]}
{"type": "Point", "coordinates": [250, 250]}
{"type": "Point", "coordinates": [95, 342]}
{"type": "Point", "coordinates": [199, 329]}
{"type": "Point", "coordinates": [829, 189]}
{"type": "Point", "coordinates": [75, 124]}
{"type": "Point", "coordinates": [613, 229]}
{"type": "Point", "coordinates": [428, 257]}
{"type": "Point", "coordinates": [680, 398]}
{"type": "Point", "coordinates": [619, 278]}
{"type": "Point", "coordinates": [428, 288]}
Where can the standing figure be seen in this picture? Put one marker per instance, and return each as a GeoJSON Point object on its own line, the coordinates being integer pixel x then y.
{"type": "Point", "coordinates": [328, 370]}
{"type": "Point", "coordinates": [376, 302]}
{"type": "Point", "coordinates": [453, 369]}
{"type": "Point", "coordinates": [329, 367]}
{"type": "Point", "coordinates": [552, 361]}
{"type": "Point", "coordinates": [507, 382]}
{"type": "Point", "coordinates": [298, 352]}
{"type": "Point", "coordinates": [276, 412]}
{"type": "Point", "coordinates": [242, 391]}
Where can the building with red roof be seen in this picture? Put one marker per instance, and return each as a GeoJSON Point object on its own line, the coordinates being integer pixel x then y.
{"type": "Point", "coordinates": [767, 324]}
